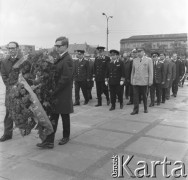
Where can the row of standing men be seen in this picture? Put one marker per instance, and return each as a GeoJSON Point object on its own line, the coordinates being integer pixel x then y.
{"type": "Point", "coordinates": [139, 74]}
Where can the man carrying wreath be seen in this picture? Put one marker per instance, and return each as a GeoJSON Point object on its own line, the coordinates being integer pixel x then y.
{"type": "Point", "coordinates": [62, 93]}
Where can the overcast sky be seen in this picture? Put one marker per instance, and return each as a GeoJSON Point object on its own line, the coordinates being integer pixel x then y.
{"type": "Point", "coordinates": [40, 22]}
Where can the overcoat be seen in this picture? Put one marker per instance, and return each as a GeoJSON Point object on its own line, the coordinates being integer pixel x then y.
{"type": "Point", "coordinates": [115, 72]}
{"type": "Point", "coordinates": [6, 68]}
{"type": "Point", "coordinates": [167, 74]}
{"type": "Point", "coordinates": [100, 65]}
{"type": "Point", "coordinates": [142, 71]}
{"type": "Point", "coordinates": [64, 82]}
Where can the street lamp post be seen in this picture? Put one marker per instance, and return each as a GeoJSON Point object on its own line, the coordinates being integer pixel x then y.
{"type": "Point", "coordinates": [107, 31]}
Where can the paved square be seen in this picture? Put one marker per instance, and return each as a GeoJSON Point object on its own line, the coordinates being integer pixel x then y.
{"type": "Point", "coordinates": [103, 138]}
{"type": "Point", "coordinates": [70, 156]}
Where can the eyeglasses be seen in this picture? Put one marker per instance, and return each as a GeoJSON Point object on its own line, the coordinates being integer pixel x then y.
{"type": "Point", "coordinates": [11, 48]}
{"type": "Point", "coordinates": [58, 46]}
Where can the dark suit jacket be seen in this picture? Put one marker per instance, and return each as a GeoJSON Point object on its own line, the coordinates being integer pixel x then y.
{"type": "Point", "coordinates": [91, 69]}
{"type": "Point", "coordinates": [179, 71]}
{"type": "Point", "coordinates": [115, 72]}
{"type": "Point", "coordinates": [128, 68]}
{"type": "Point", "coordinates": [81, 70]}
{"type": "Point", "coordinates": [100, 66]}
{"type": "Point", "coordinates": [158, 72]}
{"type": "Point", "coordinates": [63, 91]}
{"type": "Point", "coordinates": [167, 75]}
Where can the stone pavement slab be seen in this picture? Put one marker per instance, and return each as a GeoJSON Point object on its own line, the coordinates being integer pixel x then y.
{"type": "Point", "coordinates": [72, 157]}
{"type": "Point", "coordinates": [169, 133]}
{"type": "Point", "coordinates": [103, 138]}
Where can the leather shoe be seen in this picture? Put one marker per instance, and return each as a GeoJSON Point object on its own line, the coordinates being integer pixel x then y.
{"type": "Point", "coordinates": [163, 102]}
{"type": "Point", "coordinates": [63, 141]}
{"type": "Point", "coordinates": [76, 104]}
{"type": "Point", "coordinates": [146, 111]}
{"type": "Point", "coordinates": [129, 103]}
{"type": "Point", "coordinates": [108, 102]}
{"type": "Point", "coordinates": [5, 138]}
{"type": "Point", "coordinates": [158, 104]}
{"type": "Point", "coordinates": [134, 112]}
{"type": "Point", "coordinates": [86, 102]}
{"type": "Point", "coordinates": [45, 145]}
{"type": "Point", "coordinates": [152, 104]}
{"type": "Point", "coordinates": [98, 105]}
{"type": "Point", "coordinates": [121, 106]}
{"type": "Point", "coordinates": [112, 108]}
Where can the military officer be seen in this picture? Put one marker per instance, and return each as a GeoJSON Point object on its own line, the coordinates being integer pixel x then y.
{"type": "Point", "coordinates": [81, 77]}
{"type": "Point", "coordinates": [100, 65]}
{"type": "Point", "coordinates": [90, 83]}
{"type": "Point", "coordinates": [141, 78]}
{"type": "Point", "coordinates": [158, 79]}
{"type": "Point", "coordinates": [115, 77]}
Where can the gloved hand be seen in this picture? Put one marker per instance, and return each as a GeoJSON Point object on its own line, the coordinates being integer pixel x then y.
{"type": "Point", "coordinates": [93, 79]}
{"type": "Point", "coordinates": [121, 83]}
{"type": "Point", "coordinates": [106, 83]}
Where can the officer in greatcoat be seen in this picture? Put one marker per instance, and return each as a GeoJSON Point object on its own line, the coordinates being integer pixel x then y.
{"type": "Point", "coordinates": [141, 78]}
{"type": "Point", "coordinates": [81, 77]}
{"type": "Point", "coordinates": [115, 77]}
{"type": "Point", "coordinates": [100, 65]}
{"type": "Point", "coordinates": [90, 83]}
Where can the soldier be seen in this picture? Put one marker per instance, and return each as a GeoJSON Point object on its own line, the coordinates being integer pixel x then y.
{"type": "Point", "coordinates": [178, 75]}
{"type": "Point", "coordinates": [172, 71]}
{"type": "Point", "coordinates": [141, 78]}
{"type": "Point", "coordinates": [81, 77]}
{"type": "Point", "coordinates": [115, 77]}
{"type": "Point", "coordinates": [100, 66]}
{"type": "Point", "coordinates": [90, 83]}
{"type": "Point", "coordinates": [158, 79]}
{"type": "Point", "coordinates": [6, 68]}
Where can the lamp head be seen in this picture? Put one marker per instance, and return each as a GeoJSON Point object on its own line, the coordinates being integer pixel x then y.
{"type": "Point", "coordinates": [103, 14]}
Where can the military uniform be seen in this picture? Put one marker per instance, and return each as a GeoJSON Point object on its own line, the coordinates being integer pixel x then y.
{"type": "Point", "coordinates": [81, 76]}
{"type": "Point", "coordinates": [158, 78]}
{"type": "Point", "coordinates": [90, 83]}
{"type": "Point", "coordinates": [100, 66]}
{"type": "Point", "coordinates": [141, 77]}
{"type": "Point", "coordinates": [115, 74]}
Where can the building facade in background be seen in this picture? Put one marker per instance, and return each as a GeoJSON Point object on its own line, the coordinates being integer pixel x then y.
{"type": "Point", "coordinates": [168, 43]}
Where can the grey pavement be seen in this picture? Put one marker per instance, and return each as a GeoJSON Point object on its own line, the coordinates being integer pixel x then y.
{"type": "Point", "coordinates": [96, 135]}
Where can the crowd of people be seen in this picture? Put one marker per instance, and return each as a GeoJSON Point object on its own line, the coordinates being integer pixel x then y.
{"type": "Point", "coordinates": [134, 75]}
{"type": "Point", "coordinates": [139, 75]}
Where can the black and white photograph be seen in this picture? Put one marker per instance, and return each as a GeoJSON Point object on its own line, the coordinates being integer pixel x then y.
{"type": "Point", "coordinates": [93, 89]}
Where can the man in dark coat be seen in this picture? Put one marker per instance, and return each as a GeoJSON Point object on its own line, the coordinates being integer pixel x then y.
{"type": "Point", "coordinates": [100, 65]}
{"type": "Point", "coordinates": [6, 68]}
{"type": "Point", "coordinates": [179, 73]}
{"type": "Point", "coordinates": [167, 75]}
{"type": "Point", "coordinates": [115, 77]}
{"type": "Point", "coordinates": [172, 71]}
{"type": "Point", "coordinates": [62, 94]}
{"type": "Point", "coordinates": [158, 79]}
{"type": "Point", "coordinates": [81, 77]}
{"type": "Point", "coordinates": [90, 83]}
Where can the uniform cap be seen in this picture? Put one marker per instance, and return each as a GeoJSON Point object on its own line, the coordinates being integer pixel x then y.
{"type": "Point", "coordinates": [100, 47]}
{"type": "Point", "coordinates": [113, 51]}
{"type": "Point", "coordinates": [80, 51]}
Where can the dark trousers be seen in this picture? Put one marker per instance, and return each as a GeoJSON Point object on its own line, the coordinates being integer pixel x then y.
{"type": "Point", "coordinates": [66, 126]}
{"type": "Point", "coordinates": [101, 88]}
{"type": "Point", "coordinates": [127, 90]}
{"type": "Point", "coordinates": [83, 86]}
{"type": "Point", "coordinates": [168, 90]}
{"type": "Point", "coordinates": [136, 91]}
{"type": "Point", "coordinates": [164, 90]}
{"type": "Point", "coordinates": [89, 89]}
{"type": "Point", "coordinates": [175, 86]}
{"type": "Point", "coordinates": [8, 124]}
{"type": "Point", "coordinates": [156, 87]}
{"type": "Point", "coordinates": [116, 90]}
{"type": "Point", "coordinates": [131, 93]}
